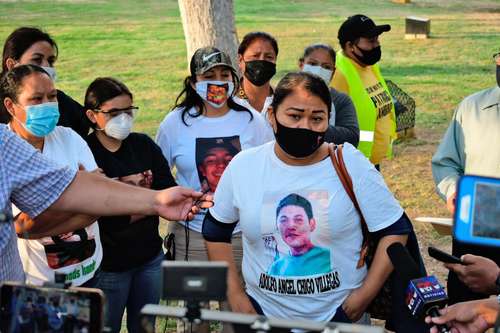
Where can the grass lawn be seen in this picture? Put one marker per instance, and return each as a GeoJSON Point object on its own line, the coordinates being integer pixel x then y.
{"type": "Point", "coordinates": [142, 43]}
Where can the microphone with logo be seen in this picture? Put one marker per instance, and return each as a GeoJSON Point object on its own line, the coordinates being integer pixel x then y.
{"type": "Point", "coordinates": [424, 295]}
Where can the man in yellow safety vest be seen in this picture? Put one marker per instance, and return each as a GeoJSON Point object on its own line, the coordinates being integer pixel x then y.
{"type": "Point", "coordinates": [358, 75]}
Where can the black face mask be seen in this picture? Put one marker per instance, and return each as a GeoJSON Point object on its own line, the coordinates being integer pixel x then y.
{"type": "Point", "coordinates": [259, 71]}
{"type": "Point", "coordinates": [370, 57]}
{"type": "Point", "coordinates": [298, 142]}
{"type": "Point", "coordinates": [498, 75]}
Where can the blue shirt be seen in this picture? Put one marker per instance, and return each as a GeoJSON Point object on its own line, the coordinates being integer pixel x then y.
{"type": "Point", "coordinates": [314, 261]}
{"type": "Point", "coordinates": [32, 183]}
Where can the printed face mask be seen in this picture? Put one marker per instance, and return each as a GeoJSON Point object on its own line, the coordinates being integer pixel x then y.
{"type": "Point", "coordinates": [41, 119]}
{"type": "Point", "coordinates": [370, 57]}
{"type": "Point", "coordinates": [323, 73]}
{"type": "Point", "coordinates": [298, 142]}
{"type": "Point", "coordinates": [259, 71]}
{"type": "Point", "coordinates": [215, 93]}
{"type": "Point", "coordinates": [119, 127]}
{"type": "Point", "coordinates": [51, 71]}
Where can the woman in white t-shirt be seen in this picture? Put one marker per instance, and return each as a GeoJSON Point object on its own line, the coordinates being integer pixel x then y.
{"type": "Point", "coordinates": [29, 103]}
{"type": "Point", "coordinates": [302, 236]}
{"type": "Point", "coordinates": [202, 134]}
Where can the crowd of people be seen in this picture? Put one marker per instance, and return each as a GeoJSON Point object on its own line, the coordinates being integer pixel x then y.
{"type": "Point", "coordinates": [82, 194]}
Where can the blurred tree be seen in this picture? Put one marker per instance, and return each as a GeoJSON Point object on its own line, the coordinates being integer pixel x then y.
{"type": "Point", "coordinates": [209, 23]}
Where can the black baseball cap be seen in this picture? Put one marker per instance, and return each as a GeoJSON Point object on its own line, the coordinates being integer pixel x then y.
{"type": "Point", "coordinates": [360, 26]}
{"type": "Point", "coordinates": [207, 58]}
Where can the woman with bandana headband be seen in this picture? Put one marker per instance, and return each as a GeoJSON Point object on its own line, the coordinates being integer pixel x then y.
{"type": "Point", "coordinates": [27, 45]}
{"type": "Point", "coordinates": [319, 59]}
{"type": "Point", "coordinates": [358, 75]}
{"type": "Point", "coordinates": [288, 200]}
{"type": "Point", "coordinates": [257, 55]}
{"type": "Point", "coordinates": [29, 103]}
{"type": "Point", "coordinates": [131, 265]}
{"type": "Point", "coordinates": [201, 135]}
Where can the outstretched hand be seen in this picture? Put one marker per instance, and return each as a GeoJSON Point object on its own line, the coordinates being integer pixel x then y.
{"type": "Point", "coordinates": [180, 203]}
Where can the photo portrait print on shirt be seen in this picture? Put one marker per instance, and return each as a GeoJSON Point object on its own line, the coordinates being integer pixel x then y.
{"type": "Point", "coordinates": [212, 157]}
{"type": "Point", "coordinates": [297, 239]}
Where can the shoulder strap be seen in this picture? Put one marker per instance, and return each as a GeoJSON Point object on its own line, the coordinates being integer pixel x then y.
{"type": "Point", "coordinates": [339, 165]}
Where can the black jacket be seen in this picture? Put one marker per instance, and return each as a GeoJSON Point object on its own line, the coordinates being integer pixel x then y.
{"type": "Point", "coordinates": [72, 114]}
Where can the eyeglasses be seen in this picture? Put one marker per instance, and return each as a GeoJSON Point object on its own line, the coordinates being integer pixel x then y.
{"type": "Point", "coordinates": [111, 113]}
{"type": "Point", "coordinates": [496, 56]}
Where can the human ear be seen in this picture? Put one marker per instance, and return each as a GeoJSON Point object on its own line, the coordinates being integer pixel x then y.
{"type": "Point", "coordinates": [271, 117]}
{"type": "Point", "coordinates": [241, 63]}
{"type": "Point", "coordinates": [10, 63]}
{"type": "Point", "coordinates": [312, 224]}
{"type": "Point", "coordinates": [9, 106]}
{"type": "Point", "coordinates": [90, 114]}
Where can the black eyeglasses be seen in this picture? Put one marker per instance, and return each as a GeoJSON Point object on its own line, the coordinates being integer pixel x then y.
{"type": "Point", "coordinates": [131, 111]}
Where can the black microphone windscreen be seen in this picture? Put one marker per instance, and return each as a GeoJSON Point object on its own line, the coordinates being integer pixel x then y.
{"type": "Point", "coordinates": [403, 263]}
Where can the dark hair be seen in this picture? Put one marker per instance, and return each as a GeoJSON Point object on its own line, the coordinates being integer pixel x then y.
{"type": "Point", "coordinates": [189, 98]}
{"type": "Point", "coordinates": [10, 86]}
{"type": "Point", "coordinates": [102, 90]}
{"type": "Point", "coordinates": [213, 143]}
{"type": "Point", "coordinates": [310, 82]}
{"type": "Point", "coordinates": [313, 47]}
{"type": "Point", "coordinates": [295, 200]}
{"type": "Point", "coordinates": [22, 39]}
{"type": "Point", "coordinates": [252, 36]}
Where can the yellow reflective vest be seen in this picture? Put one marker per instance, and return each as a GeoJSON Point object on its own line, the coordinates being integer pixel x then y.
{"type": "Point", "coordinates": [365, 108]}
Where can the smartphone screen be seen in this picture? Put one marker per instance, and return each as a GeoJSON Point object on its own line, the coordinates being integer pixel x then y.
{"type": "Point", "coordinates": [486, 210]}
{"type": "Point", "coordinates": [36, 309]}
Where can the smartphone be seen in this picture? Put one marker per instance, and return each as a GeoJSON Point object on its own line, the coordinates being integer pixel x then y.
{"type": "Point", "coordinates": [443, 256]}
{"type": "Point", "coordinates": [477, 211]}
{"type": "Point", "coordinates": [26, 308]}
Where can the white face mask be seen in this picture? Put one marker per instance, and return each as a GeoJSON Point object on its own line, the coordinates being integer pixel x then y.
{"type": "Point", "coordinates": [216, 93]}
{"type": "Point", "coordinates": [51, 71]}
{"type": "Point", "coordinates": [119, 127]}
{"type": "Point", "coordinates": [323, 73]}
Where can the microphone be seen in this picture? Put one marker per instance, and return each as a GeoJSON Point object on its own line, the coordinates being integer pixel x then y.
{"type": "Point", "coordinates": [424, 295]}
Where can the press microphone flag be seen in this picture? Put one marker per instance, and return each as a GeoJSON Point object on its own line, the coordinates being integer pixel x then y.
{"type": "Point", "coordinates": [424, 295]}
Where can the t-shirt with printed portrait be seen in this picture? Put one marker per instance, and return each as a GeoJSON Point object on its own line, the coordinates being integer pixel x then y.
{"type": "Point", "coordinates": [201, 148]}
{"type": "Point", "coordinates": [301, 233]}
{"type": "Point", "coordinates": [77, 254]}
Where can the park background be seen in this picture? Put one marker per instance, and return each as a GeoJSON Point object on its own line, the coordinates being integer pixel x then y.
{"type": "Point", "coordinates": [142, 43]}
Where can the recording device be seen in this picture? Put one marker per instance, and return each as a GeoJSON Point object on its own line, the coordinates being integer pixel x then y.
{"type": "Point", "coordinates": [194, 282]}
{"type": "Point", "coordinates": [443, 256]}
{"type": "Point", "coordinates": [477, 212]}
{"type": "Point", "coordinates": [247, 323]}
{"type": "Point", "coordinates": [26, 308]}
{"type": "Point", "coordinates": [424, 295]}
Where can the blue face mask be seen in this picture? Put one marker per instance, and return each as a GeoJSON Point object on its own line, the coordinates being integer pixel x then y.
{"type": "Point", "coordinates": [41, 119]}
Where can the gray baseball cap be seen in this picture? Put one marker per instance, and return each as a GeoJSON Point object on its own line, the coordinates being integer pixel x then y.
{"type": "Point", "coordinates": [207, 58]}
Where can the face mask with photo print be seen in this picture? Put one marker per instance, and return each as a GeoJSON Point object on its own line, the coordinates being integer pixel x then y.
{"type": "Point", "coordinates": [215, 93]}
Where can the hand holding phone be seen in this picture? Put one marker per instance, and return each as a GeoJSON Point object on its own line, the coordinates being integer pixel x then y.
{"type": "Point", "coordinates": [443, 256]}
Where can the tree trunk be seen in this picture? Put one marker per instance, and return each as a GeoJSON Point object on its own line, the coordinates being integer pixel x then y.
{"type": "Point", "coordinates": [209, 23]}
